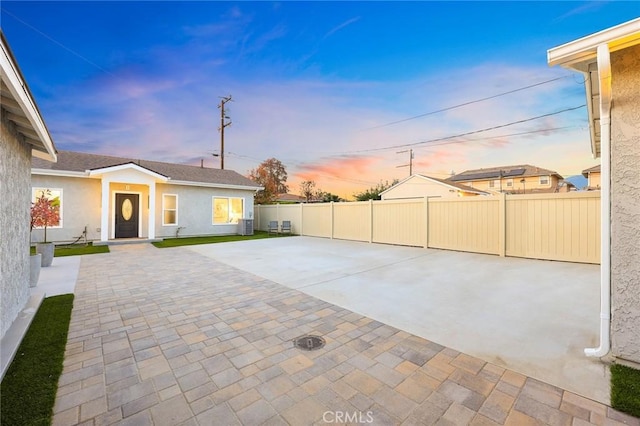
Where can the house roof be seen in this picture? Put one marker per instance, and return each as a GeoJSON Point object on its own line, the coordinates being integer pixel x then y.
{"type": "Point", "coordinates": [594, 169]}
{"type": "Point", "coordinates": [286, 197]}
{"type": "Point", "coordinates": [454, 185]}
{"type": "Point", "coordinates": [581, 55]}
{"type": "Point", "coordinates": [80, 162]}
{"type": "Point", "coordinates": [517, 171]}
{"type": "Point", "coordinates": [19, 106]}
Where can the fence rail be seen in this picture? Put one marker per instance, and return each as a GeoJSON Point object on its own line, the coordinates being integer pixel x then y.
{"type": "Point", "coordinates": [562, 227]}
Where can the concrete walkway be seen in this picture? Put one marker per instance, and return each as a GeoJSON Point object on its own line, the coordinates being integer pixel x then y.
{"type": "Point", "coordinates": [169, 337]}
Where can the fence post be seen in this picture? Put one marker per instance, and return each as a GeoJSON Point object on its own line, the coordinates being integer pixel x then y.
{"type": "Point", "coordinates": [370, 221]}
{"type": "Point", "coordinates": [502, 221]}
{"type": "Point", "coordinates": [331, 220]}
{"type": "Point", "coordinates": [301, 219]}
{"type": "Point", "coordinates": [426, 222]}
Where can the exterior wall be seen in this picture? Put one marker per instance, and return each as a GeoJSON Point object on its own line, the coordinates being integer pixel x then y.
{"type": "Point", "coordinates": [15, 192]}
{"type": "Point", "coordinates": [530, 183]}
{"type": "Point", "coordinates": [81, 204]}
{"type": "Point", "coordinates": [537, 226]}
{"type": "Point", "coordinates": [625, 204]}
{"type": "Point", "coordinates": [594, 180]}
{"type": "Point", "coordinates": [417, 187]}
{"type": "Point", "coordinates": [195, 210]}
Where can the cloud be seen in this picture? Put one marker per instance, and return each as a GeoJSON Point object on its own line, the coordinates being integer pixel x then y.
{"type": "Point", "coordinates": [345, 24]}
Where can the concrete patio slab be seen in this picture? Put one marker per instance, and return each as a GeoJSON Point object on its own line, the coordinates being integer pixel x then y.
{"type": "Point", "coordinates": [172, 337]}
{"type": "Point", "coordinates": [530, 316]}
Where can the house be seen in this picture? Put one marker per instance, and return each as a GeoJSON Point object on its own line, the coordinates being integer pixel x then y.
{"type": "Point", "coordinates": [609, 62]}
{"type": "Point", "coordinates": [420, 186]}
{"type": "Point", "coordinates": [24, 133]}
{"type": "Point", "coordinates": [519, 179]}
{"type": "Point", "coordinates": [593, 177]}
{"type": "Point", "coordinates": [286, 198]}
{"type": "Point", "coordinates": [115, 198]}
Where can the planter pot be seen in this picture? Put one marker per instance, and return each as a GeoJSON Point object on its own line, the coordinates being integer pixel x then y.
{"type": "Point", "coordinates": [46, 249]}
{"type": "Point", "coordinates": [35, 263]}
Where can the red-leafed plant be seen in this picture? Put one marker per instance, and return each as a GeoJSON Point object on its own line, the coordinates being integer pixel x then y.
{"type": "Point", "coordinates": [44, 212]}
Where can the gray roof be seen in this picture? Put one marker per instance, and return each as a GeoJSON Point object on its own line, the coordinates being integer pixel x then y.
{"type": "Point", "coordinates": [460, 186]}
{"type": "Point", "coordinates": [80, 162]}
{"type": "Point", "coordinates": [520, 170]}
{"type": "Point", "coordinates": [594, 169]}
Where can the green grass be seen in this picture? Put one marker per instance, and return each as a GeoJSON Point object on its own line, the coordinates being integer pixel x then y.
{"type": "Point", "coordinates": [625, 389]}
{"type": "Point", "coordinates": [28, 390]}
{"type": "Point", "coordinates": [189, 241]}
{"type": "Point", "coordinates": [76, 250]}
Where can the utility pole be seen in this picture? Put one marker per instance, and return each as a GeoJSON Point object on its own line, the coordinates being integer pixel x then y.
{"type": "Point", "coordinates": [410, 151]}
{"type": "Point", "coordinates": [223, 124]}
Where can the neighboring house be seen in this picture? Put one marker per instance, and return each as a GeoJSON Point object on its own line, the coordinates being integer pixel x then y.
{"type": "Point", "coordinates": [593, 177]}
{"type": "Point", "coordinates": [290, 198]}
{"type": "Point", "coordinates": [23, 133]}
{"type": "Point", "coordinates": [610, 65]}
{"type": "Point", "coordinates": [518, 179]}
{"type": "Point", "coordinates": [115, 198]}
{"type": "Point", "coordinates": [420, 186]}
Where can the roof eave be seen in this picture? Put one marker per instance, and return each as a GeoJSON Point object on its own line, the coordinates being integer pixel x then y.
{"type": "Point", "coordinates": [215, 185]}
{"type": "Point", "coordinates": [42, 145]}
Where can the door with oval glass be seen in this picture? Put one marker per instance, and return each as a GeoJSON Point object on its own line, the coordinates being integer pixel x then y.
{"type": "Point", "coordinates": [127, 211]}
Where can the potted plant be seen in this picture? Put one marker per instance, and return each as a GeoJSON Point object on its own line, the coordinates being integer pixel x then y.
{"type": "Point", "coordinates": [45, 213]}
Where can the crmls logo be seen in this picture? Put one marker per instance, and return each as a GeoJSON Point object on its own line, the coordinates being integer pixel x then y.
{"type": "Point", "coordinates": [347, 417]}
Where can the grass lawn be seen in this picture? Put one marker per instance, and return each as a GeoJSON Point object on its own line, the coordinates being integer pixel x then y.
{"type": "Point", "coordinates": [189, 241]}
{"type": "Point", "coordinates": [28, 390]}
{"type": "Point", "coordinates": [625, 389]}
{"type": "Point", "coordinates": [76, 250]}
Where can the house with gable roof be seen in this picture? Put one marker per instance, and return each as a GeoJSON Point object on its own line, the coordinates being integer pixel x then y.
{"type": "Point", "coordinates": [420, 186]}
{"type": "Point", "coordinates": [609, 61]}
{"type": "Point", "coordinates": [593, 177]}
{"type": "Point", "coordinates": [107, 198]}
{"type": "Point", "coordinates": [518, 179]}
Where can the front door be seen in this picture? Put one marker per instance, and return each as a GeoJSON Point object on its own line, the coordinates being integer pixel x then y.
{"type": "Point", "coordinates": [127, 215]}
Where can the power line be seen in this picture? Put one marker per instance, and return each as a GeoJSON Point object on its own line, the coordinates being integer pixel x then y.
{"type": "Point", "coordinates": [468, 103]}
{"type": "Point", "coordinates": [73, 52]}
{"type": "Point", "coordinates": [464, 134]}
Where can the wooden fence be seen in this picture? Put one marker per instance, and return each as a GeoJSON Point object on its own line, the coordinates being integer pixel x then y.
{"type": "Point", "coordinates": [539, 226]}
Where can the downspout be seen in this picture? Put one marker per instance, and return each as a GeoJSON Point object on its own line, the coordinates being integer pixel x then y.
{"type": "Point", "coordinates": [604, 77]}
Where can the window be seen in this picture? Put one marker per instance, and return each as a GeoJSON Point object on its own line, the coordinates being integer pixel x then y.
{"type": "Point", "coordinates": [169, 209]}
{"type": "Point", "coordinates": [55, 195]}
{"type": "Point", "coordinates": [544, 180]}
{"type": "Point", "coordinates": [509, 183]}
{"type": "Point", "coordinates": [492, 183]}
{"type": "Point", "coordinates": [227, 210]}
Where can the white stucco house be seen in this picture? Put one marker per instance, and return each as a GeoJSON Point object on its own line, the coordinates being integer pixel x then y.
{"type": "Point", "coordinates": [610, 64]}
{"type": "Point", "coordinates": [23, 134]}
{"type": "Point", "coordinates": [115, 198]}
{"type": "Point", "coordinates": [420, 186]}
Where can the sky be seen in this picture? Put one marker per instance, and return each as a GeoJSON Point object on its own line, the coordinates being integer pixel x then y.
{"type": "Point", "coordinates": [338, 91]}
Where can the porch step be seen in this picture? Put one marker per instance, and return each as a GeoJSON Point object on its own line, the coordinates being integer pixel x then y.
{"type": "Point", "coordinates": [122, 241]}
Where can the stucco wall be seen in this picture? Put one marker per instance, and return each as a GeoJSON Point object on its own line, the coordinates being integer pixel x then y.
{"type": "Point", "coordinates": [80, 207]}
{"type": "Point", "coordinates": [15, 168]}
{"type": "Point", "coordinates": [625, 204]}
{"type": "Point", "coordinates": [195, 210]}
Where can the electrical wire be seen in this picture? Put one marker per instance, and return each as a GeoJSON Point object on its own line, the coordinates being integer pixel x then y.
{"type": "Point", "coordinates": [469, 102]}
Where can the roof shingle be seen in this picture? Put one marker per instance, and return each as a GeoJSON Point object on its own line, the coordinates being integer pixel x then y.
{"type": "Point", "coordinates": [80, 162]}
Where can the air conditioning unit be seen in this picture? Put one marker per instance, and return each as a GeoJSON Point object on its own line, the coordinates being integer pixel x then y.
{"type": "Point", "coordinates": [245, 227]}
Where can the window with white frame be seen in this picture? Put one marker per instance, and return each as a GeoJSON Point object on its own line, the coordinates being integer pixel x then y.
{"type": "Point", "coordinates": [492, 183]}
{"type": "Point", "coordinates": [509, 183]}
{"type": "Point", "coordinates": [227, 210]}
{"type": "Point", "coordinates": [54, 195]}
{"type": "Point", "coordinates": [544, 180]}
{"type": "Point", "coordinates": [169, 209]}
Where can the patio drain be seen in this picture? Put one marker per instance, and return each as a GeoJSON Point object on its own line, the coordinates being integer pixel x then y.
{"type": "Point", "coordinates": [309, 343]}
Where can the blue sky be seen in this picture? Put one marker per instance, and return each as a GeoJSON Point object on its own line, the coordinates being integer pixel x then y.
{"type": "Point", "coordinates": [332, 89]}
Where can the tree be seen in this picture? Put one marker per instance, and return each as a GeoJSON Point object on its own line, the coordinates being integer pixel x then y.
{"type": "Point", "coordinates": [272, 175]}
{"type": "Point", "coordinates": [327, 197]}
{"type": "Point", "coordinates": [373, 193]}
{"type": "Point", "coordinates": [307, 190]}
{"type": "Point", "coordinates": [45, 212]}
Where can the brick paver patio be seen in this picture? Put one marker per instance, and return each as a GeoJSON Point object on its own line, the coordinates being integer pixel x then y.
{"type": "Point", "coordinates": [170, 337]}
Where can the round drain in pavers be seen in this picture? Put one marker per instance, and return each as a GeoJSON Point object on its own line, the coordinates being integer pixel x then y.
{"type": "Point", "coordinates": [309, 343]}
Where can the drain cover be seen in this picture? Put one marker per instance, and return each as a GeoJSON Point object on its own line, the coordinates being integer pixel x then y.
{"type": "Point", "coordinates": [309, 343]}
